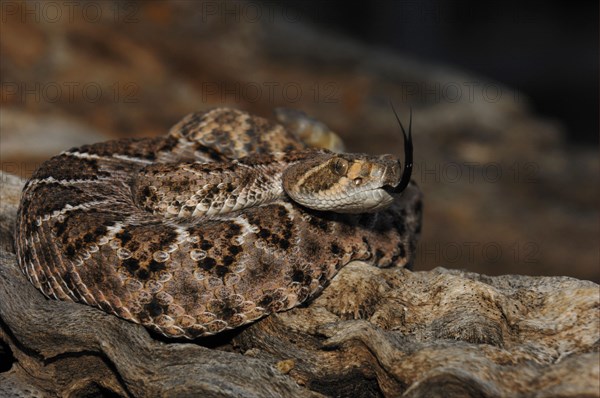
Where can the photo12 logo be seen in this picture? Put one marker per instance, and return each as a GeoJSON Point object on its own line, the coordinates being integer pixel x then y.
{"type": "Point", "coordinates": [270, 92]}
{"type": "Point", "coordinates": [234, 11]}
{"type": "Point", "coordinates": [69, 92]}
{"type": "Point", "coordinates": [472, 253]}
{"type": "Point", "coordinates": [476, 172]}
{"type": "Point", "coordinates": [452, 92]}
{"type": "Point", "coordinates": [18, 169]}
{"type": "Point", "coordinates": [69, 11]}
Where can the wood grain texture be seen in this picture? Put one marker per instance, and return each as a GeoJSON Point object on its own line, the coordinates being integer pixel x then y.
{"type": "Point", "coordinates": [373, 332]}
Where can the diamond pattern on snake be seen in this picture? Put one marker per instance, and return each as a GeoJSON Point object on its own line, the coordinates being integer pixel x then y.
{"type": "Point", "coordinates": [226, 219]}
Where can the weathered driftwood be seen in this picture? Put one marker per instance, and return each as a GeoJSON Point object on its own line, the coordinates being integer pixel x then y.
{"type": "Point", "coordinates": [373, 332]}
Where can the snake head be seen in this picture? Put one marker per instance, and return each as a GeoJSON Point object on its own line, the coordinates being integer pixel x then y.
{"type": "Point", "coordinates": [344, 183]}
{"type": "Point", "coordinates": [350, 183]}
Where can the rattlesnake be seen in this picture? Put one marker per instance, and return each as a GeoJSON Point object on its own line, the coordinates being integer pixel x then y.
{"type": "Point", "coordinates": [224, 220]}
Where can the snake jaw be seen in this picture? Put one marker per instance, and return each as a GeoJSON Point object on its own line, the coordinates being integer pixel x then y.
{"type": "Point", "coordinates": [366, 201]}
{"type": "Point", "coordinates": [372, 201]}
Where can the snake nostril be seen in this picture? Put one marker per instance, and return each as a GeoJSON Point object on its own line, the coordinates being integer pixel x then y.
{"type": "Point", "coordinates": [358, 181]}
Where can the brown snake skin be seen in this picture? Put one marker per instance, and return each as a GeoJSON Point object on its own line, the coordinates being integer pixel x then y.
{"type": "Point", "coordinates": [196, 232]}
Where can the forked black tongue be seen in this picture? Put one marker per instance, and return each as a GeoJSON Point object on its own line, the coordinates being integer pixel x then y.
{"type": "Point", "coordinates": [408, 154]}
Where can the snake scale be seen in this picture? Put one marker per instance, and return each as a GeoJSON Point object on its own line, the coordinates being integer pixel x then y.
{"type": "Point", "coordinates": [226, 219]}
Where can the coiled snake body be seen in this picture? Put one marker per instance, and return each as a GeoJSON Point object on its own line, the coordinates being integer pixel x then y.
{"type": "Point", "coordinates": [226, 219]}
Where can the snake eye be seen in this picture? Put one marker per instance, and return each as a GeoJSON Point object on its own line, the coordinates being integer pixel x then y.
{"type": "Point", "coordinates": [339, 166]}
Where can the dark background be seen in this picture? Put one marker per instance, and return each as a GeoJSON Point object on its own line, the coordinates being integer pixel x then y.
{"type": "Point", "coordinates": [548, 50]}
